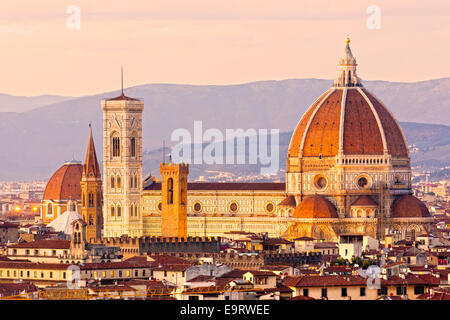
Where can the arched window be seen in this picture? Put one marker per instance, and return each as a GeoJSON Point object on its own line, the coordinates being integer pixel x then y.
{"type": "Point", "coordinates": [170, 191]}
{"type": "Point", "coordinates": [91, 200]}
{"type": "Point", "coordinates": [118, 182]}
{"type": "Point", "coordinates": [50, 209]}
{"type": "Point", "coordinates": [113, 211]}
{"type": "Point", "coordinates": [112, 182]}
{"type": "Point", "coordinates": [119, 211]}
{"type": "Point", "coordinates": [135, 181]}
{"type": "Point", "coordinates": [131, 210]}
{"type": "Point", "coordinates": [131, 182]}
{"type": "Point", "coordinates": [133, 147]}
{"type": "Point", "coordinates": [84, 200]}
{"type": "Point", "coordinates": [115, 145]}
{"type": "Point", "coordinates": [136, 210]}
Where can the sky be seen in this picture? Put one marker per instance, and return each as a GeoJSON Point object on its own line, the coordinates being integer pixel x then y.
{"type": "Point", "coordinates": [212, 42]}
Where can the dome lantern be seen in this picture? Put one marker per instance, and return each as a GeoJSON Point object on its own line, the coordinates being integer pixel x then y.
{"type": "Point", "coordinates": [347, 69]}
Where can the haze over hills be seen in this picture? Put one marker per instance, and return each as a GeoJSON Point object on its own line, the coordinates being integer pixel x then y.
{"type": "Point", "coordinates": [431, 151]}
{"type": "Point", "coordinates": [37, 142]}
{"type": "Point", "coordinates": [10, 103]}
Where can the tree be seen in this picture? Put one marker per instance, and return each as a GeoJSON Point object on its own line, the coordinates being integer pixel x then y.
{"type": "Point", "coordinates": [340, 262]}
{"type": "Point", "coordinates": [357, 260]}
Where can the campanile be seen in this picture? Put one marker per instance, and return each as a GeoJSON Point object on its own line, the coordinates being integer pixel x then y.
{"type": "Point", "coordinates": [122, 166]}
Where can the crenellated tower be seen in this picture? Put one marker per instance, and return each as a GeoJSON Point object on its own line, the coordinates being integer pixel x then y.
{"type": "Point", "coordinates": [174, 199]}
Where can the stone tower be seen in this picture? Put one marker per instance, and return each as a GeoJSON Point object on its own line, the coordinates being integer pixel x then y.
{"type": "Point", "coordinates": [122, 166]}
{"type": "Point", "coordinates": [78, 241]}
{"type": "Point", "coordinates": [174, 199]}
{"type": "Point", "coordinates": [91, 191]}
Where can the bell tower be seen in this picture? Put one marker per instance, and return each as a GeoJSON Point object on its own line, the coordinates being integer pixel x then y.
{"type": "Point", "coordinates": [122, 166]}
{"type": "Point", "coordinates": [91, 193]}
{"type": "Point", "coordinates": [174, 199]}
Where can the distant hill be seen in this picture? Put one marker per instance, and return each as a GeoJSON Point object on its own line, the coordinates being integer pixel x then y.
{"type": "Point", "coordinates": [36, 142]}
{"type": "Point", "coordinates": [10, 103]}
{"type": "Point", "coordinates": [432, 145]}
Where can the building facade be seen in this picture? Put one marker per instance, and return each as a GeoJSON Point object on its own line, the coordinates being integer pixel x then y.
{"type": "Point", "coordinates": [348, 172]}
{"type": "Point", "coordinates": [122, 166]}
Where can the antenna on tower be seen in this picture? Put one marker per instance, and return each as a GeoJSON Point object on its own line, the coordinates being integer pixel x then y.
{"type": "Point", "coordinates": [164, 151]}
{"type": "Point", "coordinates": [121, 77]}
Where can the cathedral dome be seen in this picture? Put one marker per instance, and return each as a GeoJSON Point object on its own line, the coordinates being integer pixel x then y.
{"type": "Point", "coordinates": [409, 206]}
{"type": "Point", "coordinates": [315, 207]}
{"type": "Point", "coordinates": [65, 182]}
{"type": "Point", "coordinates": [349, 120]}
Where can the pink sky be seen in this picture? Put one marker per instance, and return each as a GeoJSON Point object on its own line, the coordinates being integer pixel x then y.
{"type": "Point", "coordinates": [214, 42]}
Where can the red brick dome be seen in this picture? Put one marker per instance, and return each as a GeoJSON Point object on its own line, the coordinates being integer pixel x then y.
{"type": "Point", "coordinates": [315, 207]}
{"type": "Point", "coordinates": [347, 119]}
{"type": "Point", "coordinates": [365, 201]}
{"type": "Point", "coordinates": [409, 206]}
{"type": "Point", "coordinates": [65, 183]}
{"type": "Point", "coordinates": [350, 119]}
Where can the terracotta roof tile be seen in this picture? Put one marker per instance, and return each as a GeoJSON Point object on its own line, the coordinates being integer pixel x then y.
{"type": "Point", "coordinates": [409, 206]}
{"type": "Point", "coordinates": [289, 201]}
{"type": "Point", "coordinates": [301, 298]}
{"type": "Point", "coordinates": [364, 201]}
{"type": "Point", "coordinates": [122, 97]}
{"type": "Point", "coordinates": [325, 280]}
{"type": "Point", "coordinates": [12, 289]}
{"type": "Point", "coordinates": [424, 279]}
{"type": "Point", "coordinates": [315, 207]}
{"type": "Point", "coordinates": [43, 244]}
{"type": "Point", "coordinates": [275, 241]}
{"type": "Point", "coordinates": [65, 183]}
{"type": "Point", "coordinates": [361, 132]}
{"type": "Point", "coordinates": [260, 273]}
{"type": "Point", "coordinates": [322, 136]}
{"type": "Point", "coordinates": [297, 136]}
{"type": "Point", "coordinates": [394, 137]}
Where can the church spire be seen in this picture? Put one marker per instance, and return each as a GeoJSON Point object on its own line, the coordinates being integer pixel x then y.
{"type": "Point", "coordinates": [347, 69]}
{"type": "Point", "coordinates": [91, 169]}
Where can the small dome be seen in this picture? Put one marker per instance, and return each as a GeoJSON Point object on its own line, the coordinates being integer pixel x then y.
{"type": "Point", "coordinates": [409, 207]}
{"type": "Point", "coordinates": [289, 201]}
{"type": "Point", "coordinates": [64, 222]}
{"type": "Point", "coordinates": [315, 207]}
{"type": "Point", "coordinates": [365, 201]}
{"type": "Point", "coordinates": [65, 183]}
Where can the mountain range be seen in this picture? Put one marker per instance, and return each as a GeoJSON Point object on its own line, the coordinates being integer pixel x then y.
{"type": "Point", "coordinates": [37, 139]}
